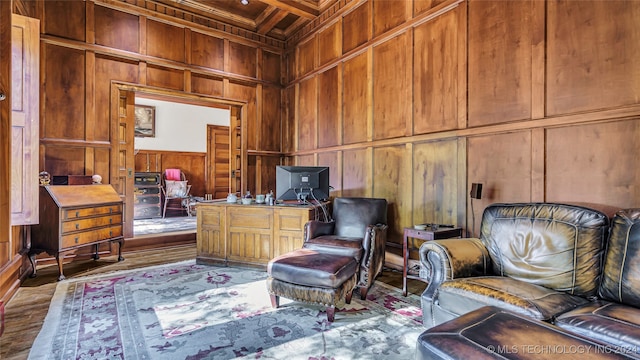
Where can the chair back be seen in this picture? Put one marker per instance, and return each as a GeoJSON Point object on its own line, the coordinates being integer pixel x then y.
{"type": "Point", "coordinates": [353, 215]}
{"type": "Point", "coordinates": [174, 175]}
{"type": "Point", "coordinates": [176, 184]}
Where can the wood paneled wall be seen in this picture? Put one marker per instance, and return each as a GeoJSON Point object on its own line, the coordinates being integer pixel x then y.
{"type": "Point", "coordinates": [82, 57]}
{"type": "Point", "coordinates": [539, 101]}
{"type": "Point", "coordinates": [86, 46]}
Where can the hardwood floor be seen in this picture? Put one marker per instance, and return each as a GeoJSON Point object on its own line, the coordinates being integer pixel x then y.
{"type": "Point", "coordinates": [25, 312]}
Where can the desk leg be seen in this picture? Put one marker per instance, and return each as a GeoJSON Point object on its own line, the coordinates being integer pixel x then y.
{"type": "Point", "coordinates": [60, 260]}
{"type": "Point", "coordinates": [120, 242]}
{"type": "Point", "coordinates": [405, 259]}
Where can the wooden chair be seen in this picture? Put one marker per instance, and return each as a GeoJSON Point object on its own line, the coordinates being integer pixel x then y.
{"type": "Point", "coordinates": [175, 187]}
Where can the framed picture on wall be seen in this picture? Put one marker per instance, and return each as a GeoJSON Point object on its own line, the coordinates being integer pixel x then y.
{"type": "Point", "coordinates": [145, 121]}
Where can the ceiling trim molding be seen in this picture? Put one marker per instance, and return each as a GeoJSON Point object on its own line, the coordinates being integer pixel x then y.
{"type": "Point", "coordinates": [154, 9]}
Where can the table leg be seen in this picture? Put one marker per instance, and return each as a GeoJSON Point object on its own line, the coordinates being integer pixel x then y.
{"type": "Point", "coordinates": [405, 259]}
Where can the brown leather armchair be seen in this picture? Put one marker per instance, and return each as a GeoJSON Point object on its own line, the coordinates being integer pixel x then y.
{"type": "Point", "coordinates": [359, 229]}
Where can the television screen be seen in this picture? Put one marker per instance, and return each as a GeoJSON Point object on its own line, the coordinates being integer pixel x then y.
{"type": "Point", "coordinates": [302, 183]}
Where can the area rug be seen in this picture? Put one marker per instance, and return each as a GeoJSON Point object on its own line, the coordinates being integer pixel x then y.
{"type": "Point", "coordinates": [160, 225]}
{"type": "Point", "coordinates": [190, 311]}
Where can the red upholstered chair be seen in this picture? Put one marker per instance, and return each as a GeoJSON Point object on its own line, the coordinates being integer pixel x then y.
{"type": "Point", "coordinates": [175, 187]}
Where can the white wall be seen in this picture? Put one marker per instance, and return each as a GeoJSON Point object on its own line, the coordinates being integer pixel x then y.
{"type": "Point", "coordinates": [180, 127]}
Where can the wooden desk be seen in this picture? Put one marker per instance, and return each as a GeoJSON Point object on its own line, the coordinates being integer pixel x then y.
{"type": "Point", "coordinates": [249, 235]}
{"type": "Point", "coordinates": [73, 216]}
{"type": "Point", "coordinates": [425, 235]}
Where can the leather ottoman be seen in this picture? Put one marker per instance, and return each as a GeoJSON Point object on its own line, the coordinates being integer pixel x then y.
{"type": "Point", "coordinates": [493, 333]}
{"type": "Point", "coordinates": [309, 276]}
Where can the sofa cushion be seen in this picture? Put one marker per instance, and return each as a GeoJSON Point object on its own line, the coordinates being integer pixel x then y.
{"type": "Point", "coordinates": [621, 275]}
{"type": "Point", "coordinates": [493, 333]}
{"type": "Point", "coordinates": [466, 294]}
{"type": "Point", "coordinates": [606, 322]}
{"type": "Point", "coordinates": [176, 188]}
{"type": "Point", "coordinates": [310, 268]}
{"type": "Point", "coordinates": [557, 246]}
{"type": "Point", "coordinates": [336, 245]}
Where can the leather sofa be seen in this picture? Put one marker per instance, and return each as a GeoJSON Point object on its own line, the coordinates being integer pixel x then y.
{"type": "Point", "coordinates": [566, 265]}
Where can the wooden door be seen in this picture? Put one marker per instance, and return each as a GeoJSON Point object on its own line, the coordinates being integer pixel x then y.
{"type": "Point", "coordinates": [122, 157]}
{"type": "Point", "coordinates": [219, 161]}
{"type": "Point", "coordinates": [238, 171]}
{"type": "Point", "coordinates": [25, 102]}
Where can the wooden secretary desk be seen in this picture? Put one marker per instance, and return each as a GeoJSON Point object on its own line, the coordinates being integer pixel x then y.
{"type": "Point", "coordinates": [73, 216]}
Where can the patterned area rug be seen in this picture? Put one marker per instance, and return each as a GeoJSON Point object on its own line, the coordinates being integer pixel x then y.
{"type": "Point", "coordinates": [160, 225]}
{"type": "Point", "coordinates": [190, 311]}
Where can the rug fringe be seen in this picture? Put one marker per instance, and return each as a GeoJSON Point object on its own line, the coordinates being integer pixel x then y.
{"type": "Point", "coordinates": [126, 271]}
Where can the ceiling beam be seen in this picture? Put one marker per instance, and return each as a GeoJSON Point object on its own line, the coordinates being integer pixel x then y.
{"type": "Point", "coordinates": [271, 21]}
{"type": "Point", "coordinates": [303, 10]}
{"type": "Point", "coordinates": [265, 14]}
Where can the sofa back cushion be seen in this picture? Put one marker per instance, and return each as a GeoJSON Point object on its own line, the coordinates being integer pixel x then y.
{"type": "Point", "coordinates": [557, 246]}
{"type": "Point", "coordinates": [621, 275]}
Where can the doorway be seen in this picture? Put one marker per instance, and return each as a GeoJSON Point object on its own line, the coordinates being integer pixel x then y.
{"type": "Point", "coordinates": [219, 161]}
{"type": "Point", "coordinates": [123, 154]}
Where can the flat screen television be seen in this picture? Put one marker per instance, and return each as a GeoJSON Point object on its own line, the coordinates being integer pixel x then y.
{"type": "Point", "coordinates": [302, 183]}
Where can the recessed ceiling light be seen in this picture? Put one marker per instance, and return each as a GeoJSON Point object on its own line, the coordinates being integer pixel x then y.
{"type": "Point", "coordinates": [244, 2]}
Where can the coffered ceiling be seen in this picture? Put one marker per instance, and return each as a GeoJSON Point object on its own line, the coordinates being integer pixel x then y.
{"type": "Point", "coordinates": [277, 19]}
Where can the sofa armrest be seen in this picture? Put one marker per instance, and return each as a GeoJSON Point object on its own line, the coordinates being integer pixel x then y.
{"type": "Point", "coordinates": [314, 228]}
{"type": "Point", "coordinates": [451, 259]}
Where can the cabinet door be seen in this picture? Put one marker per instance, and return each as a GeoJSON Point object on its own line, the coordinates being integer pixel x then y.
{"type": "Point", "coordinates": [25, 101]}
{"type": "Point", "coordinates": [289, 228]}
{"type": "Point", "coordinates": [249, 234]}
{"type": "Point", "coordinates": [210, 240]}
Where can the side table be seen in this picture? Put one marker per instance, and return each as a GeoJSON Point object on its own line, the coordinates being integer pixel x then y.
{"type": "Point", "coordinates": [430, 233]}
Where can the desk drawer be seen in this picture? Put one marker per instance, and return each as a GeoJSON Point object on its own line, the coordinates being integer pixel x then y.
{"type": "Point", "coordinates": [148, 178]}
{"type": "Point", "coordinates": [90, 223]}
{"type": "Point", "coordinates": [147, 190]}
{"type": "Point", "coordinates": [87, 237]}
{"type": "Point", "coordinates": [147, 200]}
{"type": "Point", "coordinates": [143, 212]}
{"type": "Point", "coordinates": [249, 217]}
{"type": "Point", "coordinates": [68, 214]}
